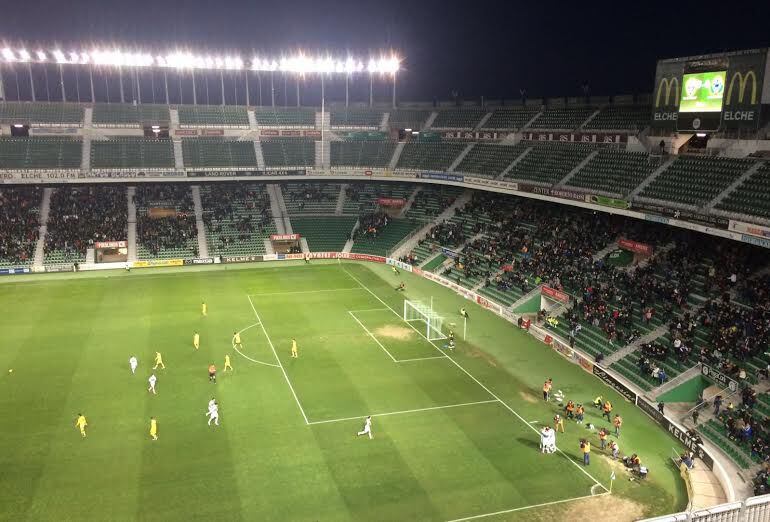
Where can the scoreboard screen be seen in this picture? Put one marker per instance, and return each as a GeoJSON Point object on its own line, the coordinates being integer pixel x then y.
{"type": "Point", "coordinates": [702, 92]}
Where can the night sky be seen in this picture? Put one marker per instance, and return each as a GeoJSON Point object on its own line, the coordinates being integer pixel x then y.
{"type": "Point", "coordinates": [474, 47]}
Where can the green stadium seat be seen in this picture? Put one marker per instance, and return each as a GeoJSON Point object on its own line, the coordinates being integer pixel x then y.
{"type": "Point", "coordinates": [218, 153]}
{"type": "Point", "coordinates": [220, 116]}
{"type": "Point", "coordinates": [132, 153]}
{"type": "Point", "coordinates": [128, 115]}
{"type": "Point", "coordinates": [40, 153]}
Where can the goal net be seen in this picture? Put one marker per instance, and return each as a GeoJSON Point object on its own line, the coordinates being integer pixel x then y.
{"type": "Point", "coordinates": [417, 312]}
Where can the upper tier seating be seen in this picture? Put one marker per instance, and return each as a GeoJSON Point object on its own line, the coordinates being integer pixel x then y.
{"type": "Point", "coordinates": [311, 198]}
{"type": "Point", "coordinates": [233, 116]}
{"type": "Point", "coordinates": [489, 160]}
{"type": "Point", "coordinates": [354, 117]}
{"type": "Point", "coordinates": [564, 118]}
{"type": "Point", "coordinates": [508, 118]}
{"type": "Point", "coordinates": [288, 152]}
{"type": "Point", "coordinates": [128, 115]}
{"type": "Point", "coordinates": [324, 234]}
{"type": "Point", "coordinates": [549, 162]}
{"type": "Point", "coordinates": [19, 223]}
{"type": "Point", "coordinates": [284, 117]}
{"type": "Point", "coordinates": [237, 218]}
{"type": "Point", "coordinates": [218, 152]}
{"type": "Point", "coordinates": [132, 153]}
{"type": "Point", "coordinates": [28, 113]}
{"type": "Point", "coordinates": [621, 117]}
{"type": "Point", "coordinates": [431, 201]}
{"type": "Point", "coordinates": [614, 171]}
{"type": "Point", "coordinates": [362, 197]}
{"type": "Point", "coordinates": [408, 118]}
{"type": "Point", "coordinates": [429, 156]}
{"type": "Point", "coordinates": [752, 197]}
{"type": "Point", "coordinates": [695, 180]}
{"type": "Point", "coordinates": [361, 153]}
{"type": "Point", "coordinates": [40, 153]}
{"type": "Point", "coordinates": [464, 118]}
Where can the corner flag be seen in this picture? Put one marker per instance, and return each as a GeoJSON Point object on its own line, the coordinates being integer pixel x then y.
{"type": "Point", "coordinates": [612, 477]}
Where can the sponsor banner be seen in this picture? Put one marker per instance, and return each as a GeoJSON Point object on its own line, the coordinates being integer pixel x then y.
{"type": "Point", "coordinates": [635, 246]}
{"type": "Point", "coordinates": [362, 257]}
{"type": "Point", "coordinates": [748, 228]}
{"type": "Point", "coordinates": [312, 134]}
{"type": "Point", "coordinates": [58, 268]}
{"type": "Point", "coordinates": [212, 132]}
{"type": "Point", "coordinates": [758, 241]}
{"type": "Point", "coordinates": [442, 176]}
{"type": "Point", "coordinates": [474, 135]}
{"type": "Point", "coordinates": [111, 244]}
{"type": "Point", "coordinates": [284, 237]}
{"type": "Point", "coordinates": [291, 133]}
{"type": "Point", "coordinates": [280, 173]}
{"type": "Point", "coordinates": [575, 137]}
{"type": "Point", "coordinates": [150, 263]}
{"type": "Point", "coordinates": [679, 434]}
{"type": "Point", "coordinates": [489, 305]}
{"type": "Point", "coordinates": [200, 261]}
{"type": "Point", "coordinates": [399, 264]}
{"type": "Point", "coordinates": [615, 384]}
{"type": "Point", "coordinates": [557, 295]}
{"type": "Point", "coordinates": [449, 253]}
{"type": "Point", "coordinates": [36, 131]}
{"type": "Point", "coordinates": [556, 193]}
{"type": "Point", "coordinates": [685, 215]}
{"type": "Point", "coordinates": [14, 271]}
{"type": "Point", "coordinates": [744, 84]}
{"type": "Point", "coordinates": [37, 174]}
{"type": "Point", "coordinates": [668, 85]}
{"type": "Point", "coordinates": [241, 259]}
{"type": "Point", "coordinates": [222, 174]}
{"type": "Point", "coordinates": [608, 202]}
{"type": "Point", "coordinates": [387, 173]}
{"type": "Point", "coordinates": [719, 377]}
{"type": "Point", "coordinates": [488, 182]}
{"type": "Point", "coordinates": [269, 132]}
{"type": "Point", "coordinates": [186, 132]}
{"type": "Point", "coordinates": [391, 202]}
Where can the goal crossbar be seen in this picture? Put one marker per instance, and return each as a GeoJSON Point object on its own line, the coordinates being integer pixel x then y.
{"type": "Point", "coordinates": [415, 311]}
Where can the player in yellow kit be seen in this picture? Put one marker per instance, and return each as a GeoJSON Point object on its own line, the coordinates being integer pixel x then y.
{"type": "Point", "coordinates": [227, 363]}
{"type": "Point", "coordinates": [237, 340]}
{"type": "Point", "coordinates": [81, 423]}
{"type": "Point", "coordinates": [196, 340]}
{"type": "Point", "coordinates": [158, 361]}
{"type": "Point", "coordinates": [294, 348]}
{"type": "Point", "coordinates": [204, 309]}
{"type": "Point", "coordinates": [153, 428]}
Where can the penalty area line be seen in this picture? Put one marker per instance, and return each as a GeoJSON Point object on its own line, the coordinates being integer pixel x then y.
{"type": "Point", "coordinates": [405, 411]}
{"type": "Point", "coordinates": [246, 356]}
{"type": "Point", "coordinates": [308, 291]}
{"type": "Point", "coordinates": [373, 337]}
{"type": "Point", "coordinates": [523, 508]}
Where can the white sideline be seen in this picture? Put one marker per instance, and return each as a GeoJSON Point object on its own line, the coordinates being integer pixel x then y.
{"type": "Point", "coordinates": [246, 356]}
{"type": "Point", "coordinates": [373, 337]}
{"type": "Point", "coordinates": [277, 359]}
{"type": "Point", "coordinates": [578, 466]}
{"type": "Point", "coordinates": [406, 411]}
{"type": "Point", "coordinates": [308, 291]}
{"type": "Point", "coordinates": [526, 507]}
{"type": "Point", "coordinates": [421, 358]}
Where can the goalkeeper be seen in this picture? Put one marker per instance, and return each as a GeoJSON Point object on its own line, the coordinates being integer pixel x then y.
{"type": "Point", "coordinates": [401, 287]}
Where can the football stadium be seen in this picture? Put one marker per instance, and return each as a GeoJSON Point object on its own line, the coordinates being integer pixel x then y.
{"type": "Point", "coordinates": [263, 286]}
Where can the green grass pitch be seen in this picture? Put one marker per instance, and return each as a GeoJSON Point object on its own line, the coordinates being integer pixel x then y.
{"type": "Point", "coordinates": [454, 433]}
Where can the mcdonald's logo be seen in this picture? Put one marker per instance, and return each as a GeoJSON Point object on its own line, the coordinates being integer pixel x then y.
{"type": "Point", "coordinates": [742, 81]}
{"type": "Point", "coordinates": [669, 84]}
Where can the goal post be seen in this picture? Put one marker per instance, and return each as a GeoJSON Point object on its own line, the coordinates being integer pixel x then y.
{"type": "Point", "coordinates": [417, 312]}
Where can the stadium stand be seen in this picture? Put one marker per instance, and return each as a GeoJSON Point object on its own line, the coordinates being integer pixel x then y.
{"type": "Point", "coordinates": [237, 218]}
{"type": "Point", "coordinates": [621, 117]}
{"type": "Point", "coordinates": [429, 156]}
{"type": "Point", "coordinates": [378, 233]}
{"type": "Point", "coordinates": [30, 113]}
{"type": "Point", "coordinates": [562, 118]}
{"type": "Point", "coordinates": [288, 152]}
{"type": "Point", "coordinates": [462, 118]}
{"type": "Point", "coordinates": [408, 118]}
{"type": "Point", "coordinates": [489, 160]}
{"type": "Point", "coordinates": [352, 117]}
{"type": "Point", "coordinates": [165, 224]}
{"type": "Point", "coordinates": [40, 153]}
{"type": "Point", "coordinates": [284, 117]}
{"type": "Point", "coordinates": [132, 153]}
{"type": "Point", "coordinates": [362, 197]}
{"type": "Point", "coordinates": [128, 115]}
{"type": "Point", "coordinates": [218, 152]}
{"type": "Point", "coordinates": [19, 223]}
{"type": "Point", "coordinates": [311, 198]}
{"type": "Point", "coordinates": [361, 153]}
{"type": "Point", "coordinates": [695, 180]}
{"type": "Point", "coordinates": [79, 216]}
{"type": "Point", "coordinates": [509, 118]}
{"type": "Point", "coordinates": [432, 201]}
{"type": "Point", "coordinates": [752, 197]}
{"type": "Point", "coordinates": [614, 171]}
{"type": "Point", "coordinates": [222, 116]}
{"type": "Point", "coordinates": [549, 162]}
{"type": "Point", "coordinates": [324, 233]}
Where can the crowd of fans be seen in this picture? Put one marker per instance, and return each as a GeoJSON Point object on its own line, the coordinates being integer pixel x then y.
{"type": "Point", "coordinates": [314, 192]}
{"type": "Point", "coordinates": [370, 225]}
{"type": "Point", "coordinates": [165, 218]}
{"type": "Point", "coordinates": [19, 224]}
{"type": "Point", "coordinates": [80, 216]}
{"type": "Point", "coordinates": [747, 427]}
{"type": "Point", "coordinates": [234, 213]}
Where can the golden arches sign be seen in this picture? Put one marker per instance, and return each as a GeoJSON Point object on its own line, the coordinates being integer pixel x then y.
{"type": "Point", "coordinates": [742, 81]}
{"type": "Point", "coordinates": [669, 84]}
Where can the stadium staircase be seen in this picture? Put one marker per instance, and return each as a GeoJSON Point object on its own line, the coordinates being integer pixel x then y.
{"type": "Point", "coordinates": [340, 200]}
{"type": "Point", "coordinates": [409, 201]}
{"type": "Point", "coordinates": [203, 247]}
{"type": "Point", "coordinates": [631, 348]}
{"type": "Point", "coordinates": [525, 298]}
{"type": "Point", "coordinates": [384, 122]}
{"type": "Point", "coordinates": [577, 169]}
{"type": "Point", "coordinates": [532, 120]}
{"type": "Point", "coordinates": [396, 155]}
{"type": "Point", "coordinates": [259, 155]}
{"type": "Point", "coordinates": [323, 154]}
{"type": "Point", "coordinates": [277, 207]}
{"type": "Point", "coordinates": [483, 121]}
{"type": "Point", "coordinates": [588, 120]}
{"type": "Point", "coordinates": [514, 163]}
{"type": "Point", "coordinates": [252, 119]}
{"type": "Point", "coordinates": [606, 250]}
{"type": "Point", "coordinates": [131, 239]}
{"type": "Point", "coordinates": [178, 155]}
{"type": "Point", "coordinates": [430, 120]}
{"type": "Point", "coordinates": [643, 185]}
{"type": "Point", "coordinates": [461, 156]}
{"type": "Point", "coordinates": [85, 157]}
{"type": "Point", "coordinates": [735, 184]}
{"type": "Point", "coordinates": [173, 116]}
{"type": "Point", "coordinates": [45, 209]}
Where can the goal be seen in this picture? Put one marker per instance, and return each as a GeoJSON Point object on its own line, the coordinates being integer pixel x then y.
{"type": "Point", "coordinates": [417, 312]}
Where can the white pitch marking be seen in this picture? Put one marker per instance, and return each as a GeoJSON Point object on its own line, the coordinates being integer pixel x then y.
{"type": "Point", "coordinates": [420, 359]}
{"type": "Point", "coordinates": [262, 324]}
{"type": "Point", "coordinates": [405, 411]}
{"type": "Point", "coordinates": [578, 466]}
{"type": "Point", "coordinates": [246, 356]}
{"type": "Point", "coordinates": [525, 507]}
{"type": "Point", "coordinates": [309, 291]}
{"type": "Point", "coordinates": [373, 337]}
{"type": "Point", "coordinates": [369, 310]}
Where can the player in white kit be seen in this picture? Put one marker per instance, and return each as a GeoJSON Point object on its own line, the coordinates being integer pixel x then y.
{"type": "Point", "coordinates": [367, 428]}
{"type": "Point", "coordinates": [547, 440]}
{"type": "Point", "coordinates": [213, 413]}
{"type": "Point", "coordinates": [152, 380]}
{"type": "Point", "coordinates": [133, 363]}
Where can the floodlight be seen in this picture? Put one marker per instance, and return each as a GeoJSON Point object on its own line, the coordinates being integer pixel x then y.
{"type": "Point", "coordinates": [701, 134]}
{"type": "Point", "coordinates": [24, 55]}
{"type": "Point", "coordinates": [8, 55]}
{"type": "Point", "coordinates": [41, 56]}
{"type": "Point", "coordinates": [18, 126]}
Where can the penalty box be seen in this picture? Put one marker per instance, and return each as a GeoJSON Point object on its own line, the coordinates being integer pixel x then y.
{"type": "Point", "coordinates": [403, 341]}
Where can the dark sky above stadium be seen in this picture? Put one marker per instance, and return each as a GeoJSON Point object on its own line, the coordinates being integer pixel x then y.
{"type": "Point", "coordinates": [473, 47]}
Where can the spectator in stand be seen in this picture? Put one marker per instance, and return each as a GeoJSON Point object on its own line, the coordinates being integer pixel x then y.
{"type": "Point", "coordinates": [19, 224]}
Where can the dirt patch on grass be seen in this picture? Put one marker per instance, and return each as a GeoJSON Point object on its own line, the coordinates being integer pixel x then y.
{"type": "Point", "coordinates": [621, 509]}
{"type": "Point", "coordinates": [528, 397]}
{"type": "Point", "coordinates": [393, 331]}
{"type": "Point", "coordinates": [480, 354]}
